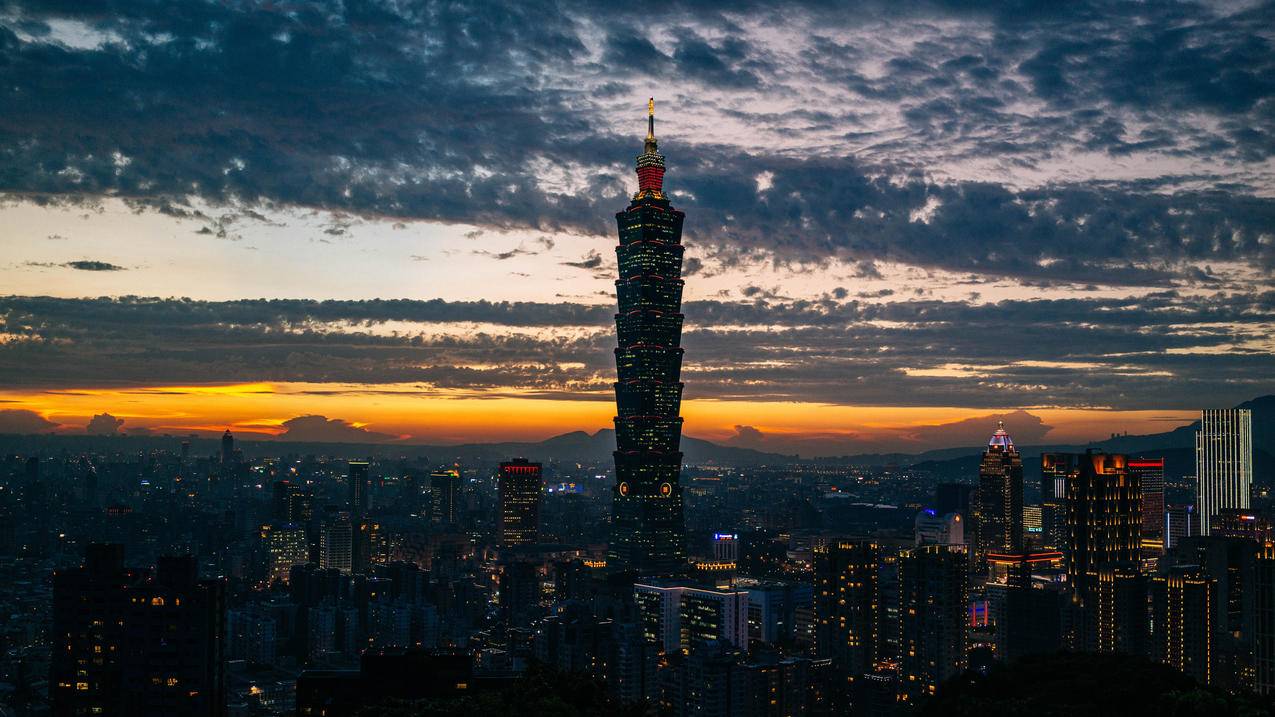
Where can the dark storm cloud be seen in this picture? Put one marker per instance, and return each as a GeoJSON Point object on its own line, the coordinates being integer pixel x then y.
{"type": "Point", "coordinates": [1133, 352]}
{"type": "Point", "coordinates": [716, 66]}
{"type": "Point", "coordinates": [628, 48]}
{"type": "Point", "coordinates": [443, 112]}
{"type": "Point", "coordinates": [18, 420]}
{"type": "Point", "coordinates": [104, 424]}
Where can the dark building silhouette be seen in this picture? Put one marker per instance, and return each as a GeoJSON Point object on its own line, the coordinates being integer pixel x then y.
{"type": "Point", "coordinates": [281, 501]}
{"type": "Point", "coordinates": [647, 530]}
{"type": "Point", "coordinates": [359, 485]}
{"type": "Point", "coordinates": [1000, 497]}
{"type": "Point", "coordinates": [1182, 621]}
{"type": "Point", "coordinates": [1054, 474]}
{"type": "Point", "coordinates": [519, 590]}
{"type": "Point", "coordinates": [1264, 620]}
{"type": "Point", "coordinates": [848, 608]}
{"type": "Point", "coordinates": [519, 483]}
{"type": "Point", "coordinates": [575, 640]}
{"type": "Point", "coordinates": [227, 448]}
{"type": "Point", "coordinates": [1032, 623]}
{"type": "Point", "coordinates": [1231, 563]}
{"type": "Point", "coordinates": [88, 602]}
{"type": "Point", "coordinates": [126, 644]}
{"type": "Point", "coordinates": [711, 681]}
{"type": "Point", "coordinates": [388, 675]}
{"type": "Point", "coordinates": [290, 503]}
{"type": "Point", "coordinates": [933, 607]}
{"type": "Point", "coordinates": [1120, 610]}
{"type": "Point", "coordinates": [954, 498]}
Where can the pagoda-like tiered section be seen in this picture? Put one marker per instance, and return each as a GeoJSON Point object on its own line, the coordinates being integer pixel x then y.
{"type": "Point", "coordinates": [647, 529]}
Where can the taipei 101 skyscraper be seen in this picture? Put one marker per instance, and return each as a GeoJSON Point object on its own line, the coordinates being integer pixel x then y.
{"type": "Point", "coordinates": [647, 530]}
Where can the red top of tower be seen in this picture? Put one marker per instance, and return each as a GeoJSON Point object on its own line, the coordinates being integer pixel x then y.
{"type": "Point", "coordinates": [650, 164]}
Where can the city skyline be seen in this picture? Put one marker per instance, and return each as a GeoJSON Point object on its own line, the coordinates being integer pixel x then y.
{"type": "Point", "coordinates": [903, 217]}
{"type": "Point", "coordinates": [359, 359]}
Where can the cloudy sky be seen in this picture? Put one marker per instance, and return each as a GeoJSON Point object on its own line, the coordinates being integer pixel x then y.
{"type": "Point", "coordinates": [395, 220]}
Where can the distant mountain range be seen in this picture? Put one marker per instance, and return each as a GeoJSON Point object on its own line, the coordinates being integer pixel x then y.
{"type": "Point", "coordinates": [1177, 445]}
{"type": "Point", "coordinates": [583, 447]}
{"type": "Point", "coordinates": [573, 447]}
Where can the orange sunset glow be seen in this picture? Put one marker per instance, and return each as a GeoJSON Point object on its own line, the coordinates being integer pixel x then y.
{"type": "Point", "coordinates": [406, 414]}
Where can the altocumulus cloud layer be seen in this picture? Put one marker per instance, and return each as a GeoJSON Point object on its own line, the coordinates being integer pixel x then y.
{"type": "Point", "coordinates": [1116, 144]}
{"type": "Point", "coordinates": [1143, 353]}
{"type": "Point", "coordinates": [809, 130]}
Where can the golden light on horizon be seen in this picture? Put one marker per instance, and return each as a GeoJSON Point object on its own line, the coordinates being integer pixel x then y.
{"type": "Point", "coordinates": [412, 413]}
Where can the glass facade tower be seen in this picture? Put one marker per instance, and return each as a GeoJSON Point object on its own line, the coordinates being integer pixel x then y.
{"type": "Point", "coordinates": [1223, 462]}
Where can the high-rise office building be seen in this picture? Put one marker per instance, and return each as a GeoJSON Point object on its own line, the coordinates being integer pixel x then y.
{"type": "Point", "coordinates": [445, 486]}
{"type": "Point", "coordinates": [129, 645]}
{"type": "Point", "coordinates": [175, 655]}
{"type": "Point", "coordinates": [933, 612]}
{"type": "Point", "coordinates": [1231, 563]}
{"type": "Point", "coordinates": [1180, 521]}
{"type": "Point", "coordinates": [1223, 462]}
{"type": "Point", "coordinates": [1104, 514]}
{"type": "Point", "coordinates": [336, 543]}
{"type": "Point", "coordinates": [1000, 497]}
{"type": "Point", "coordinates": [1150, 473]}
{"type": "Point", "coordinates": [1182, 621]}
{"type": "Point", "coordinates": [773, 608]}
{"type": "Point", "coordinates": [1055, 469]}
{"type": "Point", "coordinates": [286, 545]}
{"type": "Point", "coordinates": [359, 485]}
{"type": "Point", "coordinates": [291, 503]}
{"type": "Point", "coordinates": [1033, 525]}
{"type": "Point", "coordinates": [679, 616]}
{"type": "Point", "coordinates": [519, 484]}
{"type": "Point", "coordinates": [1121, 607]}
{"type": "Point", "coordinates": [88, 602]}
{"type": "Point", "coordinates": [647, 529]}
{"type": "Point", "coordinates": [847, 602]}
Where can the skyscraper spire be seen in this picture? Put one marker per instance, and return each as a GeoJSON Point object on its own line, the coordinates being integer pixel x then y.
{"type": "Point", "coordinates": [650, 164]}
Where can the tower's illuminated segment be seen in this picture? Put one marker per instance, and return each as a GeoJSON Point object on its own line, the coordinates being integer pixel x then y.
{"type": "Point", "coordinates": [647, 531]}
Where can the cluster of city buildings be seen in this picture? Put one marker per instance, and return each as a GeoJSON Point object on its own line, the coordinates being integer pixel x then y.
{"type": "Point", "coordinates": [317, 587]}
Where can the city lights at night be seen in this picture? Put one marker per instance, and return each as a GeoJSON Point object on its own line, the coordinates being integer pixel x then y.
{"type": "Point", "coordinates": [376, 358]}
